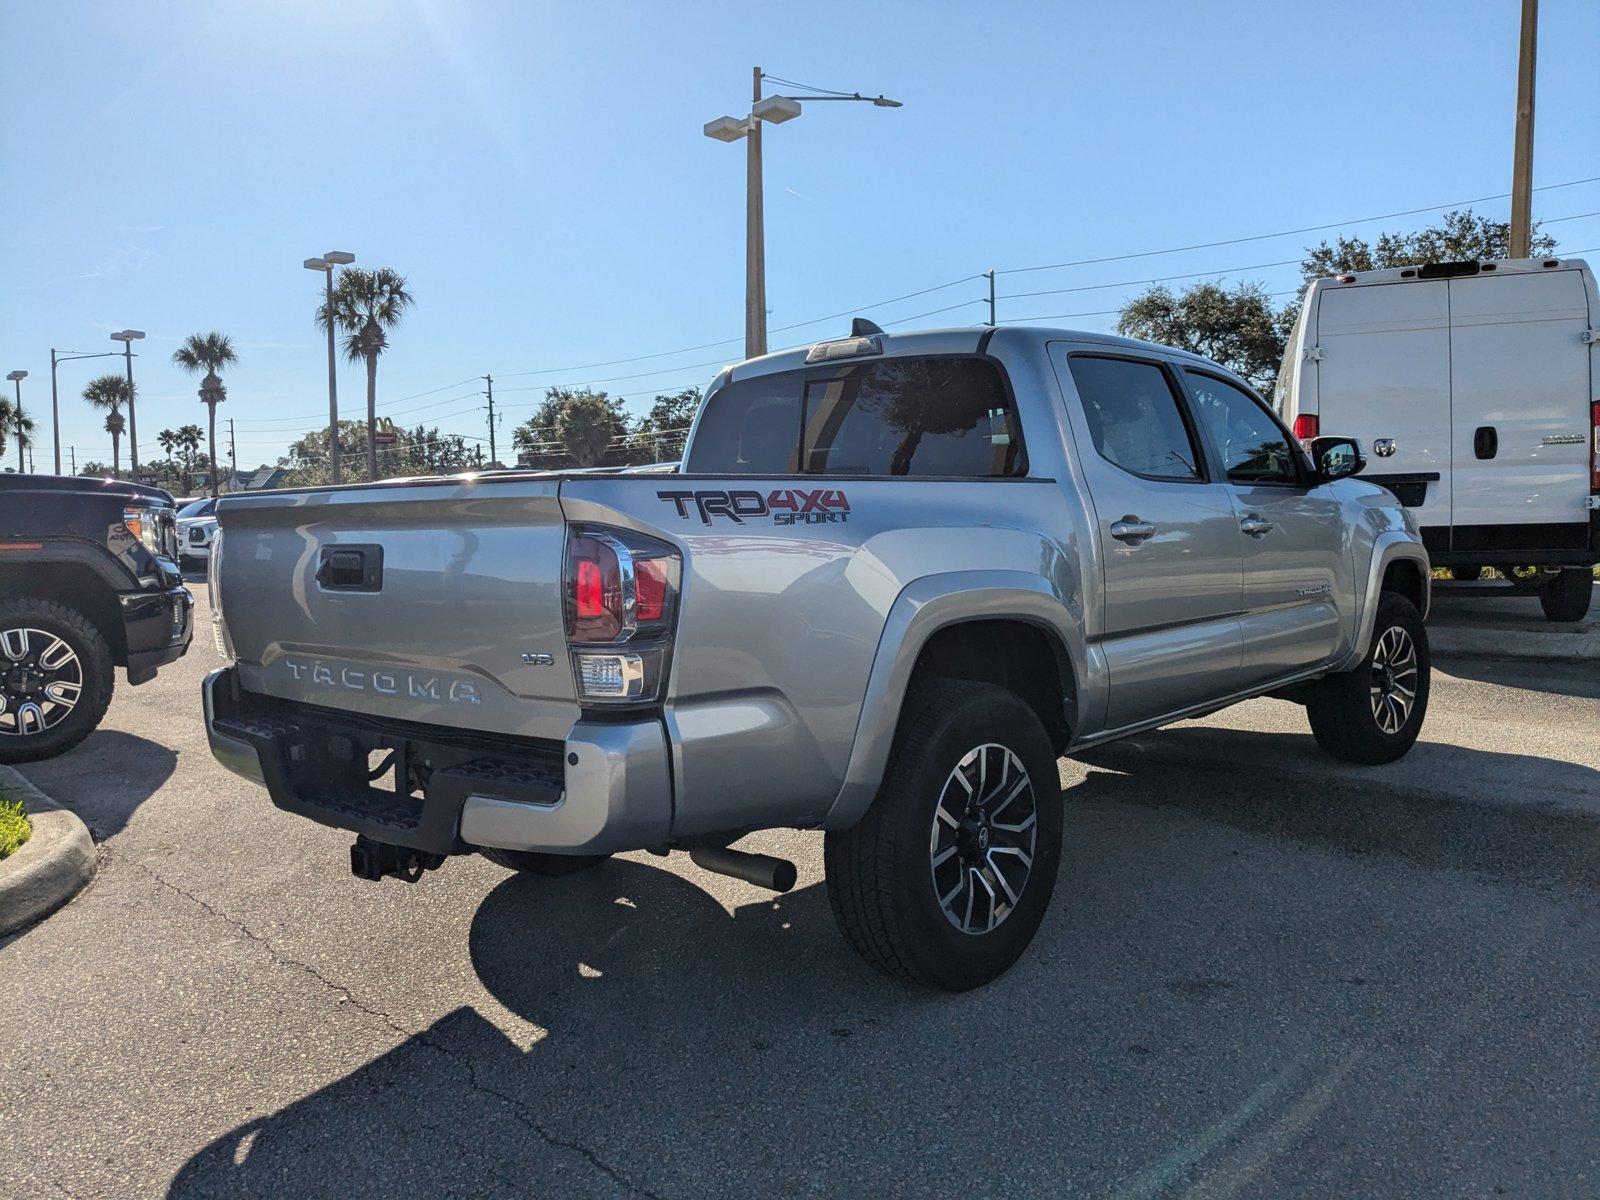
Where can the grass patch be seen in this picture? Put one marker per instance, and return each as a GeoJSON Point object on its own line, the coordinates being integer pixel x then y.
{"type": "Point", "coordinates": [14, 827]}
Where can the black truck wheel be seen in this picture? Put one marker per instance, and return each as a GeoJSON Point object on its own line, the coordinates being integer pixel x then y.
{"type": "Point", "coordinates": [56, 677]}
{"type": "Point", "coordinates": [532, 862]}
{"type": "Point", "coordinates": [1566, 597]}
{"type": "Point", "coordinates": [1373, 714]}
{"type": "Point", "coordinates": [946, 878]}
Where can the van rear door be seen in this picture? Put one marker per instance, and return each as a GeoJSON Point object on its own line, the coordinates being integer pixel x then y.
{"type": "Point", "coordinates": [1520, 370]}
{"type": "Point", "coordinates": [1384, 376]}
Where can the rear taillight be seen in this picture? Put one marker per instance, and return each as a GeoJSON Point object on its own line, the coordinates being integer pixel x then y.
{"type": "Point", "coordinates": [1594, 447]}
{"type": "Point", "coordinates": [621, 608]}
{"type": "Point", "coordinates": [1305, 427]}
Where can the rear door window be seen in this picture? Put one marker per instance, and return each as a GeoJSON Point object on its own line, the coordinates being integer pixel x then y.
{"type": "Point", "coordinates": [1134, 418]}
{"type": "Point", "coordinates": [926, 417]}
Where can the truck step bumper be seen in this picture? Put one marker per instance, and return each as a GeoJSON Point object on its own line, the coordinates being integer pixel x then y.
{"type": "Point", "coordinates": [605, 788]}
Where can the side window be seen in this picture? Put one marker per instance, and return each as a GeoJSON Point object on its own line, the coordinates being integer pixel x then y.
{"type": "Point", "coordinates": [750, 427]}
{"type": "Point", "coordinates": [926, 417]}
{"type": "Point", "coordinates": [1254, 447]}
{"type": "Point", "coordinates": [1134, 417]}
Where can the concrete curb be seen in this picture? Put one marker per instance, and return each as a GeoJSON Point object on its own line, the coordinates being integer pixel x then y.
{"type": "Point", "coordinates": [52, 865]}
{"type": "Point", "coordinates": [1568, 643]}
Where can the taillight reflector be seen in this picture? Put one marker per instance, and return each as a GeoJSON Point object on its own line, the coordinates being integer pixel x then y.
{"type": "Point", "coordinates": [1305, 427]}
{"type": "Point", "coordinates": [650, 586]}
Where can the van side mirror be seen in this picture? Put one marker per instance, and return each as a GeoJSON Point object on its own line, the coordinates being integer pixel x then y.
{"type": "Point", "coordinates": [1336, 457]}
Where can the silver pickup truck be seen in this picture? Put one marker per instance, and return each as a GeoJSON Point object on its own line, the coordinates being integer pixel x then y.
{"type": "Point", "coordinates": [897, 578]}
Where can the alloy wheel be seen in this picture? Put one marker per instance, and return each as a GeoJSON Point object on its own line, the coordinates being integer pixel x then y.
{"type": "Point", "coordinates": [981, 846]}
{"type": "Point", "coordinates": [1394, 679]}
{"type": "Point", "coordinates": [41, 681]}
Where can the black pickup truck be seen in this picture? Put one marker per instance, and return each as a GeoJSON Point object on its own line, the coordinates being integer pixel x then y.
{"type": "Point", "coordinates": [89, 581]}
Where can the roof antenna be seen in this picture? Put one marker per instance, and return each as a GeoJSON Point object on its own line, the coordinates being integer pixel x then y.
{"type": "Point", "coordinates": [861, 327]}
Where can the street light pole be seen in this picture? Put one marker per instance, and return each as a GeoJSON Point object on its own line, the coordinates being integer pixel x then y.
{"type": "Point", "coordinates": [326, 264]}
{"type": "Point", "coordinates": [56, 359]}
{"type": "Point", "coordinates": [17, 377]}
{"type": "Point", "coordinates": [776, 110]}
{"type": "Point", "coordinates": [128, 337]}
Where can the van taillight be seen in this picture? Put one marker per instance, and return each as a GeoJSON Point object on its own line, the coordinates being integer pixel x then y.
{"type": "Point", "coordinates": [1594, 447]}
{"type": "Point", "coordinates": [621, 606]}
{"type": "Point", "coordinates": [1305, 427]}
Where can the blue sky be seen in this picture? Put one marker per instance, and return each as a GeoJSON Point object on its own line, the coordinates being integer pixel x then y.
{"type": "Point", "coordinates": [538, 172]}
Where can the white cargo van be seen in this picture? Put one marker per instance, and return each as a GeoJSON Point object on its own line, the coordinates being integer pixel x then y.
{"type": "Point", "coordinates": [1475, 386]}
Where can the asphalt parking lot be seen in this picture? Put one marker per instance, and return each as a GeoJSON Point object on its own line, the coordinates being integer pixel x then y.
{"type": "Point", "coordinates": [1264, 974]}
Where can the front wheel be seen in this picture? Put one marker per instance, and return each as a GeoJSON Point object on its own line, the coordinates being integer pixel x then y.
{"type": "Point", "coordinates": [1566, 597]}
{"type": "Point", "coordinates": [56, 676]}
{"type": "Point", "coordinates": [1373, 714]}
{"type": "Point", "coordinates": [947, 877]}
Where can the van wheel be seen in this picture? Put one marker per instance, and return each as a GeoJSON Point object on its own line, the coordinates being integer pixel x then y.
{"type": "Point", "coordinates": [56, 677]}
{"type": "Point", "coordinates": [532, 862]}
{"type": "Point", "coordinates": [1567, 596]}
{"type": "Point", "coordinates": [947, 877]}
{"type": "Point", "coordinates": [1373, 714]}
{"type": "Point", "coordinates": [1466, 574]}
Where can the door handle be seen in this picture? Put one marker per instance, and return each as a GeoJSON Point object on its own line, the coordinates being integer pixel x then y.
{"type": "Point", "coordinates": [1485, 441]}
{"type": "Point", "coordinates": [1132, 530]}
{"type": "Point", "coordinates": [1255, 526]}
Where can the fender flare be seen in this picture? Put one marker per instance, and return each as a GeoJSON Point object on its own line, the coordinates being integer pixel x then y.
{"type": "Point", "coordinates": [1388, 548]}
{"type": "Point", "coordinates": [923, 608]}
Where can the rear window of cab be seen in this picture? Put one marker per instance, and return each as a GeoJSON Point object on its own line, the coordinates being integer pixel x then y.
{"type": "Point", "coordinates": [920, 417]}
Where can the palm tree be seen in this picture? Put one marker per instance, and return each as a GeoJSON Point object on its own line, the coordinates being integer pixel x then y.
{"type": "Point", "coordinates": [109, 393]}
{"type": "Point", "coordinates": [19, 425]}
{"type": "Point", "coordinates": [207, 352]}
{"type": "Point", "coordinates": [7, 415]}
{"type": "Point", "coordinates": [188, 439]}
{"type": "Point", "coordinates": [366, 305]}
{"type": "Point", "coordinates": [167, 439]}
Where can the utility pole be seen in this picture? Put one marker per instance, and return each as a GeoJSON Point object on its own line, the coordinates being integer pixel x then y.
{"type": "Point", "coordinates": [990, 274]}
{"type": "Point", "coordinates": [73, 450]}
{"type": "Point", "coordinates": [489, 383]}
{"type": "Point", "coordinates": [1522, 162]}
{"type": "Point", "coordinates": [55, 410]}
{"type": "Point", "coordinates": [755, 238]}
{"type": "Point", "coordinates": [233, 451]}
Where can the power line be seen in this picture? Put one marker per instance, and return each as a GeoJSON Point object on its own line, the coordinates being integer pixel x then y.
{"type": "Point", "coordinates": [1261, 237]}
{"type": "Point", "coordinates": [1091, 287]}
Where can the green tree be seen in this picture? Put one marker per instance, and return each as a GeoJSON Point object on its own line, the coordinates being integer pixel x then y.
{"type": "Point", "coordinates": [545, 435]}
{"type": "Point", "coordinates": [167, 439]}
{"type": "Point", "coordinates": [15, 423]}
{"type": "Point", "coordinates": [188, 437]}
{"type": "Point", "coordinates": [1459, 236]}
{"type": "Point", "coordinates": [1237, 327]}
{"type": "Point", "coordinates": [666, 425]}
{"type": "Point", "coordinates": [208, 352]}
{"type": "Point", "coordinates": [108, 393]}
{"type": "Point", "coordinates": [366, 306]}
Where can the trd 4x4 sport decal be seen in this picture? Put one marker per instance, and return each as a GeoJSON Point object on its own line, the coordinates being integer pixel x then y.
{"type": "Point", "coordinates": [785, 507]}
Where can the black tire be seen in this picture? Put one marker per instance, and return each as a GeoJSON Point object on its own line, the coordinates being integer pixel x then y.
{"type": "Point", "coordinates": [532, 862]}
{"type": "Point", "coordinates": [1345, 712]}
{"type": "Point", "coordinates": [1567, 596]}
{"type": "Point", "coordinates": [30, 626]}
{"type": "Point", "coordinates": [1466, 574]}
{"type": "Point", "coordinates": [881, 874]}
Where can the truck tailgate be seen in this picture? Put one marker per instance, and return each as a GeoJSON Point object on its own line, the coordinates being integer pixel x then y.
{"type": "Point", "coordinates": [436, 601]}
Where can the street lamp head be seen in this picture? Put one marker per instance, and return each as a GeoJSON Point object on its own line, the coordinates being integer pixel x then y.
{"type": "Point", "coordinates": [342, 258]}
{"type": "Point", "coordinates": [128, 335]}
{"type": "Point", "coordinates": [317, 264]}
{"type": "Point", "coordinates": [777, 109]}
{"type": "Point", "coordinates": [883, 102]}
{"type": "Point", "coordinates": [17, 375]}
{"type": "Point", "coordinates": [727, 129]}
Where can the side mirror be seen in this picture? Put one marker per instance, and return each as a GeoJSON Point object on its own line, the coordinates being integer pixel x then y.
{"type": "Point", "coordinates": [1336, 457]}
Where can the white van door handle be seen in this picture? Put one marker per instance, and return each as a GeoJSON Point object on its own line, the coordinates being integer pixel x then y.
{"type": "Point", "coordinates": [1132, 530]}
{"type": "Point", "coordinates": [1255, 526]}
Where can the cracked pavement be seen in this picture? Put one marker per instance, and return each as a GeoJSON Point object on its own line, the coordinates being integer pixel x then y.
{"type": "Point", "coordinates": [1263, 975]}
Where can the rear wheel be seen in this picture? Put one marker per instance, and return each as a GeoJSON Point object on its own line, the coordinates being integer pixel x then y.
{"type": "Point", "coordinates": [1373, 714]}
{"type": "Point", "coordinates": [56, 677]}
{"type": "Point", "coordinates": [532, 862]}
{"type": "Point", "coordinates": [947, 877]}
{"type": "Point", "coordinates": [1567, 596]}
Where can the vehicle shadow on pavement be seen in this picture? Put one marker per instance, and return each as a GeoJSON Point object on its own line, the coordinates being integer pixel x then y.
{"type": "Point", "coordinates": [105, 778]}
{"type": "Point", "coordinates": [1580, 678]}
{"type": "Point", "coordinates": [1229, 777]}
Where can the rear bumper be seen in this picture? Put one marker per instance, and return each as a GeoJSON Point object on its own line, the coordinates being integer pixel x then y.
{"type": "Point", "coordinates": [604, 788]}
